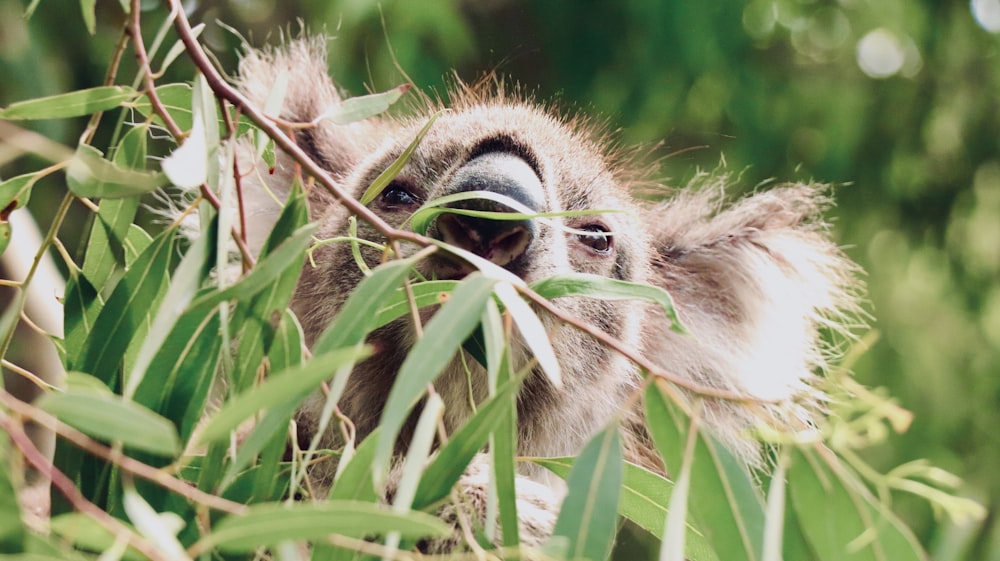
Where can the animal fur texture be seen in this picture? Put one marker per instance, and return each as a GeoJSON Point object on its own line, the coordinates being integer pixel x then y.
{"type": "Point", "coordinates": [755, 281]}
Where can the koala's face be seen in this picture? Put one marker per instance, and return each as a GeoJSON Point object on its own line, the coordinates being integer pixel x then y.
{"type": "Point", "coordinates": [522, 153]}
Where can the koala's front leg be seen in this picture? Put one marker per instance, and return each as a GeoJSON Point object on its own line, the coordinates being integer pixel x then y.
{"type": "Point", "coordinates": [537, 509]}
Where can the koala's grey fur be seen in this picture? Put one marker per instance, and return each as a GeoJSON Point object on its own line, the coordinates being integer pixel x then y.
{"type": "Point", "coordinates": [754, 281]}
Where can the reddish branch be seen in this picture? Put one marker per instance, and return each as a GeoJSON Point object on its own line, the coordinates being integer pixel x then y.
{"type": "Point", "coordinates": [127, 464]}
{"type": "Point", "coordinates": [72, 494]}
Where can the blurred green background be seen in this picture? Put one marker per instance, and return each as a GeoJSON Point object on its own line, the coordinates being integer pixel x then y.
{"type": "Point", "coordinates": [896, 99]}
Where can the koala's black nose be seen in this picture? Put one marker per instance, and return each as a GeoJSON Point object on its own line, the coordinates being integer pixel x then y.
{"type": "Point", "coordinates": [500, 241]}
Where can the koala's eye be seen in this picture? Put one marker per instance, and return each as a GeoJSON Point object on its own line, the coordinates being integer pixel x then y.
{"type": "Point", "coordinates": [398, 194]}
{"type": "Point", "coordinates": [599, 240]}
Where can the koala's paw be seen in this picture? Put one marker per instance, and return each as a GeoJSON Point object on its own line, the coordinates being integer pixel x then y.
{"type": "Point", "coordinates": [537, 509]}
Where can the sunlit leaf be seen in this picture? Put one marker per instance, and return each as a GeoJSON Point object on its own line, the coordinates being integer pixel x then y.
{"type": "Point", "coordinates": [90, 175]}
{"type": "Point", "coordinates": [604, 288]}
{"type": "Point", "coordinates": [72, 104]}
{"type": "Point", "coordinates": [111, 418]}
{"type": "Point", "coordinates": [443, 337]}
{"type": "Point", "coordinates": [396, 166]}
{"type": "Point", "coordinates": [532, 331]}
{"type": "Point", "coordinates": [187, 166]}
{"type": "Point", "coordinates": [160, 528]}
{"type": "Point", "coordinates": [724, 503]}
{"type": "Point", "coordinates": [362, 107]}
{"type": "Point", "coordinates": [269, 524]}
{"type": "Point", "coordinates": [279, 388]}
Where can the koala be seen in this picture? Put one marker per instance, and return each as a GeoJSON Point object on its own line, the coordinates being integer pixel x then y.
{"type": "Point", "coordinates": [755, 282]}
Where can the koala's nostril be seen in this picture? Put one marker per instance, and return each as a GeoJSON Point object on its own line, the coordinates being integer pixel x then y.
{"type": "Point", "coordinates": [500, 241]}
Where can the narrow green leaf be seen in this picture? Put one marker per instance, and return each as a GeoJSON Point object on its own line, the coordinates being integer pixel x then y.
{"type": "Point", "coordinates": [604, 288]}
{"type": "Point", "coordinates": [72, 104]}
{"type": "Point", "coordinates": [774, 524]}
{"type": "Point", "coordinates": [532, 331]}
{"type": "Point", "coordinates": [81, 307]}
{"type": "Point", "coordinates": [270, 524]}
{"type": "Point", "coordinates": [589, 514]}
{"type": "Point", "coordinates": [256, 318]}
{"type": "Point", "coordinates": [5, 235]}
{"type": "Point", "coordinates": [354, 482]}
{"type": "Point", "coordinates": [393, 170]}
{"type": "Point", "coordinates": [268, 436]}
{"type": "Point", "coordinates": [89, 18]}
{"type": "Point", "coordinates": [110, 418]}
{"type": "Point", "coordinates": [15, 193]}
{"type": "Point", "coordinates": [428, 293]}
{"type": "Point", "coordinates": [90, 175]}
{"type": "Point", "coordinates": [503, 450]}
{"type": "Point", "coordinates": [125, 310]}
{"type": "Point", "coordinates": [358, 315]}
{"type": "Point", "coordinates": [290, 253]}
{"type": "Point", "coordinates": [362, 107]}
{"type": "Point", "coordinates": [724, 503]}
{"type": "Point", "coordinates": [106, 245]}
{"type": "Point", "coordinates": [83, 532]}
{"type": "Point", "coordinates": [12, 531]}
{"type": "Point", "coordinates": [673, 546]}
{"type": "Point", "coordinates": [443, 337]}
{"type": "Point", "coordinates": [449, 464]}
{"type": "Point", "coordinates": [645, 496]}
{"type": "Point", "coordinates": [840, 520]}
{"type": "Point", "coordinates": [178, 379]}
{"type": "Point", "coordinates": [194, 268]}
{"type": "Point", "coordinates": [294, 383]}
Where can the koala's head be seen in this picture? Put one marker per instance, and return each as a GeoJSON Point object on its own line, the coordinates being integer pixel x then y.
{"type": "Point", "coordinates": [494, 142]}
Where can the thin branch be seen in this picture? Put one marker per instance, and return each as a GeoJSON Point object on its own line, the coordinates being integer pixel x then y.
{"type": "Point", "coordinates": [115, 457]}
{"type": "Point", "coordinates": [72, 494]}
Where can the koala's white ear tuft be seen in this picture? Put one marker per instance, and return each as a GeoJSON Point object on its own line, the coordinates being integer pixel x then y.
{"type": "Point", "coordinates": [291, 82]}
{"type": "Point", "coordinates": [758, 284]}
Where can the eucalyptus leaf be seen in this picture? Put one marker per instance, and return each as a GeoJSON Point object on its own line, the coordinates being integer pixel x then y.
{"type": "Point", "coordinates": [270, 524]}
{"type": "Point", "coordinates": [589, 514]}
{"type": "Point", "coordinates": [12, 530]}
{"type": "Point", "coordinates": [124, 311]}
{"type": "Point", "coordinates": [724, 503]}
{"type": "Point", "coordinates": [443, 337]}
{"type": "Point", "coordinates": [450, 462]}
{"type": "Point", "coordinates": [396, 166]}
{"type": "Point", "coordinates": [72, 104]}
{"type": "Point", "coordinates": [111, 418]}
{"type": "Point", "coordinates": [90, 175]}
{"type": "Point", "coordinates": [604, 288]}
{"type": "Point", "coordinates": [362, 107]}
{"type": "Point", "coordinates": [279, 388]}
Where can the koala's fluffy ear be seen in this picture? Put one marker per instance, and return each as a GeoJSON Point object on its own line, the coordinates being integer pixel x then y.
{"type": "Point", "coordinates": [300, 65]}
{"type": "Point", "coordinates": [756, 283]}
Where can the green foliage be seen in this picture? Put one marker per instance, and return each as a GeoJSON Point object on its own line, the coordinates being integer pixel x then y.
{"type": "Point", "coordinates": [150, 334]}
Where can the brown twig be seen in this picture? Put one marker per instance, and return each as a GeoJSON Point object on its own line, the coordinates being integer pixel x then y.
{"type": "Point", "coordinates": [135, 30]}
{"type": "Point", "coordinates": [72, 494]}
